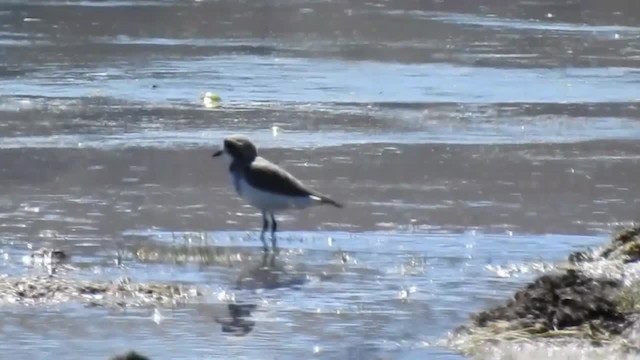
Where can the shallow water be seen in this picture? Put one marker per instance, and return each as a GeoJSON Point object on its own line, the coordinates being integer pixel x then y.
{"type": "Point", "coordinates": [474, 145]}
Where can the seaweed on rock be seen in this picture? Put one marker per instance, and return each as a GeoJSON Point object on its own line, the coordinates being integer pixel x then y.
{"type": "Point", "coordinates": [120, 293]}
{"type": "Point", "coordinates": [559, 301]}
{"type": "Point", "coordinates": [624, 246]}
{"type": "Point", "coordinates": [568, 304]}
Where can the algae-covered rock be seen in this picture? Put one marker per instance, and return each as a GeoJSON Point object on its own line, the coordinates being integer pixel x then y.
{"type": "Point", "coordinates": [568, 304]}
{"type": "Point", "coordinates": [200, 254]}
{"type": "Point", "coordinates": [121, 293]}
{"type": "Point", "coordinates": [559, 301]}
{"type": "Point", "coordinates": [624, 246]}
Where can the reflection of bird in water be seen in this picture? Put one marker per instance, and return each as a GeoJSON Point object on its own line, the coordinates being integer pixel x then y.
{"type": "Point", "coordinates": [236, 323]}
{"type": "Point", "coordinates": [268, 274]}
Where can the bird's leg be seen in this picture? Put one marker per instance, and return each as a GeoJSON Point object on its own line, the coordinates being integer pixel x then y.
{"type": "Point", "coordinates": [274, 228]}
{"type": "Point", "coordinates": [265, 226]}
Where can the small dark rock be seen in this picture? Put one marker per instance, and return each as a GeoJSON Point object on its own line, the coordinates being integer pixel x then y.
{"type": "Point", "coordinates": [91, 290]}
{"type": "Point", "coordinates": [131, 355]}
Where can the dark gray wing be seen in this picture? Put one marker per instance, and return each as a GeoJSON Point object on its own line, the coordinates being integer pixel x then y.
{"type": "Point", "coordinates": [269, 177]}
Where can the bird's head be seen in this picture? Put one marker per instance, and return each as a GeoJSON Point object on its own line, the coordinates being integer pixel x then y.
{"type": "Point", "coordinates": [237, 148]}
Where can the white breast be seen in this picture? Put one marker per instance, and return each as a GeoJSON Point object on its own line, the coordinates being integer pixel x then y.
{"type": "Point", "coordinates": [264, 200]}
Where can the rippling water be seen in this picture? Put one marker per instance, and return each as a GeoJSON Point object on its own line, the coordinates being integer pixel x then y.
{"type": "Point", "coordinates": [475, 143]}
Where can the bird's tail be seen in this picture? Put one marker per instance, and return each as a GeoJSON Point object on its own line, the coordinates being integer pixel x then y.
{"type": "Point", "coordinates": [326, 200]}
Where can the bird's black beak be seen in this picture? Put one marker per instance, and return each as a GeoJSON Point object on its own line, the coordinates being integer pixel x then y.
{"type": "Point", "coordinates": [218, 153]}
